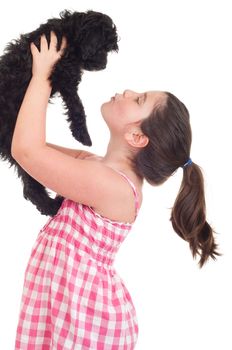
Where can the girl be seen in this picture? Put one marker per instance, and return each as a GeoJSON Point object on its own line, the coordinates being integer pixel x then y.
{"type": "Point", "coordinates": [72, 297]}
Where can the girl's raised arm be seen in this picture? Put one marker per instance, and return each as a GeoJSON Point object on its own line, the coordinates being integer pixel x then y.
{"type": "Point", "coordinates": [75, 153]}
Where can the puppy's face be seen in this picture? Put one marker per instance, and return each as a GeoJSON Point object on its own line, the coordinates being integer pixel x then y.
{"type": "Point", "coordinates": [96, 35]}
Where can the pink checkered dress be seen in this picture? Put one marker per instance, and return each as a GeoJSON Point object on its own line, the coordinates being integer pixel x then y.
{"type": "Point", "coordinates": [73, 298]}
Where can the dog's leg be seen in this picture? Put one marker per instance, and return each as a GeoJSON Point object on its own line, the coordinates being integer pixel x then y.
{"type": "Point", "coordinates": [38, 195]}
{"type": "Point", "coordinates": [76, 115]}
{"type": "Point", "coordinates": [32, 189]}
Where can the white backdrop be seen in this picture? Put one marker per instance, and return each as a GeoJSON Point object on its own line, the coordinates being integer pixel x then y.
{"type": "Point", "coordinates": [183, 47]}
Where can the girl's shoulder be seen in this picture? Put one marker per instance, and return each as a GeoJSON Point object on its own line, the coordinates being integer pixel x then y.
{"type": "Point", "coordinates": [124, 210]}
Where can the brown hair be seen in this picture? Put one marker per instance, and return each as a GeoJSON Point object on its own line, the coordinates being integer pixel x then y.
{"type": "Point", "coordinates": [170, 136]}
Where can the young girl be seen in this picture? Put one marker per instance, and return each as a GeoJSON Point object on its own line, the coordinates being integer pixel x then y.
{"type": "Point", "coordinates": [73, 298]}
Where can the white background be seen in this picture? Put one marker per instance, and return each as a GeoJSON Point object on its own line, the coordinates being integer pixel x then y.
{"type": "Point", "coordinates": [179, 46]}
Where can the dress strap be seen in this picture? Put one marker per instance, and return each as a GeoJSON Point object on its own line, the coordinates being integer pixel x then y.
{"type": "Point", "coordinates": [134, 190]}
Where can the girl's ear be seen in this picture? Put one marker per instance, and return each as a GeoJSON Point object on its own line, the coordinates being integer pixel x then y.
{"type": "Point", "coordinates": [136, 138]}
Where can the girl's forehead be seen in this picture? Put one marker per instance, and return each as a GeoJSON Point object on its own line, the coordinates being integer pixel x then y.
{"type": "Point", "coordinates": [155, 96]}
{"type": "Point", "coordinates": [156, 93]}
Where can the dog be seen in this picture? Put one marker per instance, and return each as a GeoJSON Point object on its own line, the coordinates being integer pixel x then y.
{"type": "Point", "coordinates": [90, 37]}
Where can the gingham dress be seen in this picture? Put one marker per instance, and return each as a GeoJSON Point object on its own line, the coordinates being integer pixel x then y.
{"type": "Point", "coordinates": [73, 298]}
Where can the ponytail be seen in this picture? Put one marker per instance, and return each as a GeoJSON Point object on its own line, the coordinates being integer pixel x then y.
{"type": "Point", "coordinates": [188, 216]}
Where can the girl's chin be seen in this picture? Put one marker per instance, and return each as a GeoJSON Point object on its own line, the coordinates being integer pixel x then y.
{"type": "Point", "coordinates": [105, 104]}
{"type": "Point", "coordinates": [109, 102]}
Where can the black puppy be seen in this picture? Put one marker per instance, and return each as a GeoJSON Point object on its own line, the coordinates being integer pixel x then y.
{"type": "Point", "coordinates": [90, 36]}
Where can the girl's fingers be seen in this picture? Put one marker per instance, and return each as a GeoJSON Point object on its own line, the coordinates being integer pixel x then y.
{"type": "Point", "coordinates": [34, 48]}
{"type": "Point", "coordinates": [63, 43]}
{"type": "Point", "coordinates": [53, 38]}
{"type": "Point", "coordinates": [53, 43]}
{"type": "Point", "coordinates": [43, 42]}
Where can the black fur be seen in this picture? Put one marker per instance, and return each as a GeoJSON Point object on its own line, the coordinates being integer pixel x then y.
{"type": "Point", "coordinates": [90, 36]}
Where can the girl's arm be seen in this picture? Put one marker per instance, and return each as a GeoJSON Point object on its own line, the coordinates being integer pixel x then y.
{"type": "Point", "coordinates": [30, 129]}
{"type": "Point", "coordinates": [88, 182]}
{"type": "Point", "coordinates": [75, 153]}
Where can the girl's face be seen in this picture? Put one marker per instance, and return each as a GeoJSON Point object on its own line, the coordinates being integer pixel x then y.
{"type": "Point", "coordinates": [129, 109]}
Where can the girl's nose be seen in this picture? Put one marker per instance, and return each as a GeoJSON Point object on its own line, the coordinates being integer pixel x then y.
{"type": "Point", "coordinates": [128, 93]}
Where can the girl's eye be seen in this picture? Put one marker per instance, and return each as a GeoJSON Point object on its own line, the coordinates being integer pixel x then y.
{"type": "Point", "coordinates": [138, 99]}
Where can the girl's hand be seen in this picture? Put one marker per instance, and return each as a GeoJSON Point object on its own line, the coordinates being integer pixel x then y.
{"type": "Point", "coordinates": [45, 59]}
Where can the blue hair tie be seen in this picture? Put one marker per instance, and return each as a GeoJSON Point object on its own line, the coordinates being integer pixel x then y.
{"type": "Point", "coordinates": [187, 163]}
